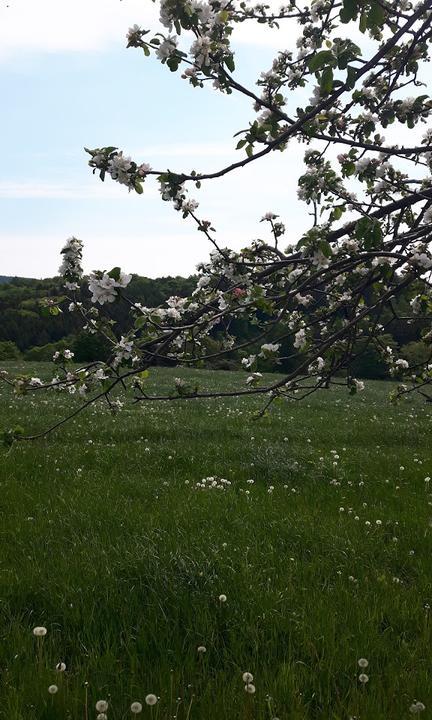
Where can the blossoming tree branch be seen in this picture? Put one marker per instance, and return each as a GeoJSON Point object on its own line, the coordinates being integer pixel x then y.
{"type": "Point", "coordinates": [332, 294]}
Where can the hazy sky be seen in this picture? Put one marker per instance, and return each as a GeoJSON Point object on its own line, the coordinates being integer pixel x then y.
{"type": "Point", "coordinates": [68, 81]}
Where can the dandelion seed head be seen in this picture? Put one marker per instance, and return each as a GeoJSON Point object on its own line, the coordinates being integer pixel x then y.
{"type": "Point", "coordinates": [53, 689]}
{"type": "Point", "coordinates": [417, 707]}
{"type": "Point", "coordinates": [136, 708]}
{"type": "Point", "coordinates": [151, 699]}
{"type": "Point", "coordinates": [247, 677]}
{"type": "Point", "coordinates": [363, 663]}
{"type": "Point", "coordinates": [363, 678]}
{"type": "Point", "coordinates": [250, 689]}
{"type": "Point", "coordinates": [40, 631]}
{"type": "Point", "coordinates": [101, 706]}
{"type": "Point", "coordinates": [222, 598]}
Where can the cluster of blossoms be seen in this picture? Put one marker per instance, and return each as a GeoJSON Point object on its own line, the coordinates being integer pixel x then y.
{"type": "Point", "coordinates": [104, 286]}
{"type": "Point", "coordinates": [70, 268]}
{"type": "Point", "coordinates": [209, 52]}
{"type": "Point", "coordinates": [121, 168]}
{"type": "Point", "coordinates": [62, 356]}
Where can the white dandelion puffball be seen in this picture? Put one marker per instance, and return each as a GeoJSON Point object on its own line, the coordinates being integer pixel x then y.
{"type": "Point", "coordinates": [363, 663]}
{"type": "Point", "coordinates": [61, 667]}
{"type": "Point", "coordinates": [136, 708]}
{"type": "Point", "coordinates": [363, 678]}
{"type": "Point", "coordinates": [250, 688]}
{"type": "Point", "coordinates": [101, 706]}
{"type": "Point", "coordinates": [151, 699]}
{"type": "Point", "coordinates": [222, 598]}
{"type": "Point", "coordinates": [102, 716]}
{"type": "Point", "coordinates": [417, 707]}
{"type": "Point", "coordinates": [40, 631]}
{"type": "Point", "coordinates": [247, 677]}
{"type": "Point", "coordinates": [53, 689]}
{"type": "Point", "coordinates": [201, 649]}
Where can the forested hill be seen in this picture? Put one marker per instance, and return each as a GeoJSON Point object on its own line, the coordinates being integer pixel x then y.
{"type": "Point", "coordinates": [25, 332]}
{"type": "Point", "coordinates": [23, 324]}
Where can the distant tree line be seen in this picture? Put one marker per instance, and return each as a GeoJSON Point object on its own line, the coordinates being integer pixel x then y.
{"type": "Point", "coordinates": [29, 331]}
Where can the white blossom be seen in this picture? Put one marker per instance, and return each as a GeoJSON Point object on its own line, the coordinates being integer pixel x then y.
{"type": "Point", "coordinates": [167, 48]}
{"type": "Point", "coordinates": [300, 339]}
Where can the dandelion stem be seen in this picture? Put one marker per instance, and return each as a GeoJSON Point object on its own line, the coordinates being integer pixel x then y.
{"type": "Point", "coordinates": [86, 702]}
{"type": "Point", "coordinates": [189, 707]}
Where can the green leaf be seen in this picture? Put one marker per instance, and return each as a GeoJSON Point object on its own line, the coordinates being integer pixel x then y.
{"type": "Point", "coordinates": [351, 77]}
{"type": "Point", "coordinates": [349, 11]}
{"type": "Point", "coordinates": [9, 436]}
{"type": "Point", "coordinates": [376, 15]}
{"type": "Point", "coordinates": [320, 60]}
{"type": "Point", "coordinates": [115, 273]}
{"type": "Point", "coordinates": [363, 22]}
{"type": "Point", "coordinates": [326, 83]}
{"type": "Point", "coordinates": [173, 63]}
{"type": "Point", "coordinates": [368, 231]}
{"type": "Point", "coordinates": [229, 62]}
{"type": "Point", "coordinates": [140, 322]}
{"type": "Point", "coordinates": [325, 248]}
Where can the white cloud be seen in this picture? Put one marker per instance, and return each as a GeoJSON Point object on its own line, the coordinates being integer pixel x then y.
{"type": "Point", "coordinates": [61, 25]}
{"type": "Point", "coordinates": [49, 26]}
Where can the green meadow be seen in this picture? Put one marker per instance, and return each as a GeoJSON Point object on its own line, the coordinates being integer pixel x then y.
{"type": "Point", "coordinates": [289, 547]}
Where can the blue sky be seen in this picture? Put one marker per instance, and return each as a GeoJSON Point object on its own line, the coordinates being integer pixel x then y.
{"type": "Point", "coordinates": [67, 80]}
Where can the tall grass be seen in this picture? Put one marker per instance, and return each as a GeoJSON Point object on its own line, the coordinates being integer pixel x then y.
{"type": "Point", "coordinates": [321, 544]}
